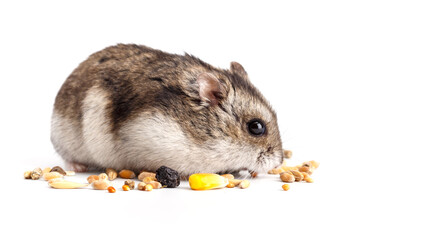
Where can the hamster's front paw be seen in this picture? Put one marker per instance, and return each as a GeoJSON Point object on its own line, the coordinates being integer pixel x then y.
{"type": "Point", "coordinates": [77, 167]}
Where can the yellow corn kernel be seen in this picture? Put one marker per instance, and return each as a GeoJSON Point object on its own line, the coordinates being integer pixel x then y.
{"type": "Point", "coordinates": [206, 181]}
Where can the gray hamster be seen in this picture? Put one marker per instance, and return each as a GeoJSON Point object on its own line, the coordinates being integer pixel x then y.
{"type": "Point", "coordinates": [133, 107]}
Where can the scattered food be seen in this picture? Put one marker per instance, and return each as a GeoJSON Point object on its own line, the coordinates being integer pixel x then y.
{"type": "Point", "coordinates": [111, 189]}
{"type": "Point", "coordinates": [125, 187]}
{"type": "Point", "coordinates": [298, 176]}
{"type": "Point", "coordinates": [130, 183]}
{"type": "Point", "coordinates": [286, 187]}
{"type": "Point", "coordinates": [111, 173]}
{"type": "Point", "coordinates": [206, 181]}
{"type": "Point", "coordinates": [59, 170]}
{"type": "Point", "coordinates": [102, 183]}
{"type": "Point", "coordinates": [168, 177]}
{"type": "Point", "coordinates": [27, 174]}
{"type": "Point", "coordinates": [143, 175]}
{"type": "Point", "coordinates": [63, 184]}
{"type": "Point", "coordinates": [287, 177]}
{"type": "Point", "coordinates": [36, 173]}
{"type": "Point", "coordinates": [128, 174]}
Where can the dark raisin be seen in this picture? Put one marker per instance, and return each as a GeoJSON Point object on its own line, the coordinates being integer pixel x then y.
{"type": "Point", "coordinates": [167, 177]}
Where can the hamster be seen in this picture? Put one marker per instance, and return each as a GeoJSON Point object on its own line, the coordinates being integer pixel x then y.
{"type": "Point", "coordinates": [133, 107]}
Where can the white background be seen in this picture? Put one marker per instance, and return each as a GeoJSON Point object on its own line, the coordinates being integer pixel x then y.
{"type": "Point", "coordinates": [346, 78]}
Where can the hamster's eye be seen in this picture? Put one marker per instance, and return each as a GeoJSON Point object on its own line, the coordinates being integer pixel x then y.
{"type": "Point", "coordinates": [256, 127]}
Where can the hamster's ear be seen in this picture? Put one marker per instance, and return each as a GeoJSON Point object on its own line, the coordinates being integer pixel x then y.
{"type": "Point", "coordinates": [210, 88]}
{"type": "Point", "coordinates": [238, 69]}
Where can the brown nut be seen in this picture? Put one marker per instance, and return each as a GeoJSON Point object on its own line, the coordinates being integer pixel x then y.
{"type": "Point", "coordinates": [130, 183]}
{"type": "Point", "coordinates": [143, 175]}
{"type": "Point", "coordinates": [58, 169]}
{"type": "Point", "coordinates": [287, 153]}
{"type": "Point", "coordinates": [92, 178]}
{"type": "Point", "coordinates": [111, 173]}
{"type": "Point", "coordinates": [36, 173]}
{"type": "Point", "coordinates": [298, 176]}
{"type": "Point", "coordinates": [128, 174]}
{"type": "Point", "coordinates": [287, 177]}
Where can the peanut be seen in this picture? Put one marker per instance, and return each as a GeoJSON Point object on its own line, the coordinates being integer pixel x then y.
{"type": "Point", "coordinates": [143, 175]}
{"type": "Point", "coordinates": [287, 177]}
{"type": "Point", "coordinates": [111, 173]}
{"type": "Point", "coordinates": [128, 174]}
